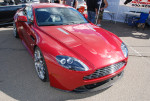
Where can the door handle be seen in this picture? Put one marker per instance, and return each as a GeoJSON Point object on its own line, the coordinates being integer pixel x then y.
{"type": "Point", "coordinates": [33, 39]}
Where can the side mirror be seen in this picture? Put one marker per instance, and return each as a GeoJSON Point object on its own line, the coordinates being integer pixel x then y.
{"type": "Point", "coordinates": [85, 15]}
{"type": "Point", "coordinates": [22, 18]}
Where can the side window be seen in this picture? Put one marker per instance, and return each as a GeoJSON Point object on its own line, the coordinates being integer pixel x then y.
{"type": "Point", "coordinates": [28, 13]}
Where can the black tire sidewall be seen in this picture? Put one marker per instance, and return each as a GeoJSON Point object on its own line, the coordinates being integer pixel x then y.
{"type": "Point", "coordinates": [16, 32]}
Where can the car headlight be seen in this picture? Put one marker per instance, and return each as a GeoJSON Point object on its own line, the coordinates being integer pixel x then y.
{"type": "Point", "coordinates": [124, 49]}
{"type": "Point", "coordinates": [71, 63]}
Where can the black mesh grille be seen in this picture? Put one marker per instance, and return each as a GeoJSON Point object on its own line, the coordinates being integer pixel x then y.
{"type": "Point", "coordinates": [105, 71]}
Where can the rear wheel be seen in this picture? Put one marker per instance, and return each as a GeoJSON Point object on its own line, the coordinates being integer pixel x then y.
{"type": "Point", "coordinates": [15, 31]}
{"type": "Point", "coordinates": [40, 65]}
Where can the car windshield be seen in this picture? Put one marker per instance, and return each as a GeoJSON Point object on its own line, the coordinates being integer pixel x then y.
{"type": "Point", "coordinates": [55, 16]}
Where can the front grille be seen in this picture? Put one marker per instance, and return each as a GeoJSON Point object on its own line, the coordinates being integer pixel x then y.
{"type": "Point", "coordinates": [105, 71]}
{"type": "Point", "coordinates": [99, 85]}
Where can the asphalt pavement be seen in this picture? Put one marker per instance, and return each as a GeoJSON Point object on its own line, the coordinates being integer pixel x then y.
{"type": "Point", "coordinates": [18, 79]}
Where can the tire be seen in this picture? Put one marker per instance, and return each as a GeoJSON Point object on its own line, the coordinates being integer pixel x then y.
{"type": "Point", "coordinates": [40, 65]}
{"type": "Point", "coordinates": [15, 31]}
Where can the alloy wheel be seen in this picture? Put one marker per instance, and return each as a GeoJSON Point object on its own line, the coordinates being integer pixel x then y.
{"type": "Point", "coordinates": [39, 64]}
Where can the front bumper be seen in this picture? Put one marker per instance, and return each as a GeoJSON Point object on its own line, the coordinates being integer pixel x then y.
{"type": "Point", "coordinates": [68, 80]}
{"type": "Point", "coordinates": [100, 85]}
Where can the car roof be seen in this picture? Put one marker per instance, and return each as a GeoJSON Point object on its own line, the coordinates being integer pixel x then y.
{"type": "Point", "coordinates": [45, 5]}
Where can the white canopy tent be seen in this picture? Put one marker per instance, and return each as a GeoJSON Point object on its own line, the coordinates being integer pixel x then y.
{"type": "Point", "coordinates": [118, 7]}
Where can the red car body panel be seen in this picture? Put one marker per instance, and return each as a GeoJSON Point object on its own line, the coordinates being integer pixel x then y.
{"type": "Point", "coordinates": [94, 46]}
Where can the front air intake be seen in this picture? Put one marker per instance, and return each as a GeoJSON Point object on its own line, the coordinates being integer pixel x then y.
{"type": "Point", "coordinates": [105, 71]}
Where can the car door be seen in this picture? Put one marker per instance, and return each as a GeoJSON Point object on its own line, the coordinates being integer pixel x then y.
{"type": "Point", "coordinates": [28, 29]}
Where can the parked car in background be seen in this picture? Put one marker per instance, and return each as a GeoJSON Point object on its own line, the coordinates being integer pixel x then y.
{"type": "Point", "coordinates": [70, 52]}
{"type": "Point", "coordinates": [7, 13]}
{"type": "Point", "coordinates": [81, 3]}
{"type": "Point", "coordinates": [8, 9]}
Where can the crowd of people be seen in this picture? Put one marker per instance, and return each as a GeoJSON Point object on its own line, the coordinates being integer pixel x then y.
{"type": "Point", "coordinates": [95, 8]}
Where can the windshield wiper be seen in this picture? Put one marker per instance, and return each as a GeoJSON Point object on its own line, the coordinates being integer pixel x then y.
{"type": "Point", "coordinates": [50, 24]}
{"type": "Point", "coordinates": [70, 23]}
{"type": "Point", "coordinates": [67, 23]}
{"type": "Point", "coordinates": [82, 22]}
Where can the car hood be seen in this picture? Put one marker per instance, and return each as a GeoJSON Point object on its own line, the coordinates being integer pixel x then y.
{"type": "Point", "coordinates": [96, 45]}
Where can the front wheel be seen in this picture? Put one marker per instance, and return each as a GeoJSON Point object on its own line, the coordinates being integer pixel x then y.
{"type": "Point", "coordinates": [40, 65]}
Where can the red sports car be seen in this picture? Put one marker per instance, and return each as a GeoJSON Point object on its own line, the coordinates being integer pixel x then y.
{"type": "Point", "coordinates": [69, 51]}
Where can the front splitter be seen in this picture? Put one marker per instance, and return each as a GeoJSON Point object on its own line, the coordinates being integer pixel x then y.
{"type": "Point", "coordinates": [100, 85]}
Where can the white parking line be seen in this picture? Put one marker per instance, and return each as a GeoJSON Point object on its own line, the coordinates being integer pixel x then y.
{"type": "Point", "coordinates": [139, 54]}
{"type": "Point", "coordinates": [135, 51]}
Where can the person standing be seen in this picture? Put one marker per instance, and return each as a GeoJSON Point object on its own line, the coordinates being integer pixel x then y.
{"type": "Point", "coordinates": [72, 3]}
{"type": "Point", "coordinates": [91, 9]}
{"type": "Point", "coordinates": [101, 5]}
